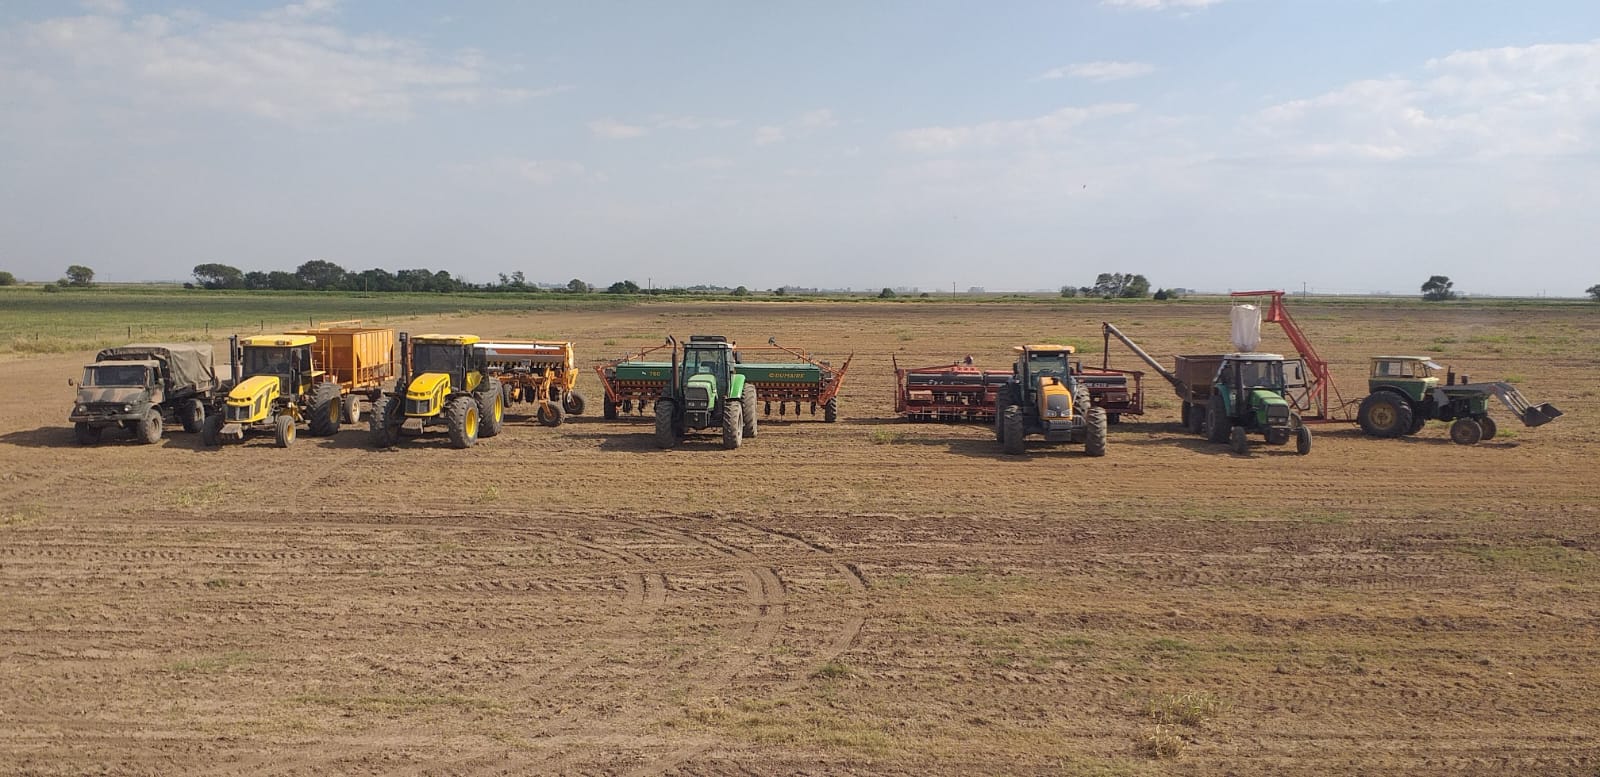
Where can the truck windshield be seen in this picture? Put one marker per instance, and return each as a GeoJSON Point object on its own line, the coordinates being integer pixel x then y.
{"type": "Point", "coordinates": [114, 375]}
{"type": "Point", "coordinates": [266, 361]}
{"type": "Point", "coordinates": [1047, 364]}
{"type": "Point", "coordinates": [438, 357]}
{"type": "Point", "coordinates": [1261, 375]}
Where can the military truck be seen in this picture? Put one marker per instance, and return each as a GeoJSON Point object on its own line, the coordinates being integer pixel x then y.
{"type": "Point", "coordinates": [139, 387]}
{"type": "Point", "coordinates": [705, 392]}
{"type": "Point", "coordinates": [1404, 394]}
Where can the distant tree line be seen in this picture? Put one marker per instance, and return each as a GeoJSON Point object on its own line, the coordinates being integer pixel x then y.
{"type": "Point", "coordinates": [1117, 285]}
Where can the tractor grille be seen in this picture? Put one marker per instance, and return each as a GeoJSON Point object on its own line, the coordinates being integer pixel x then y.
{"type": "Point", "coordinates": [1278, 414]}
{"type": "Point", "coordinates": [696, 398]}
{"type": "Point", "coordinates": [1058, 406]}
{"type": "Point", "coordinates": [239, 413]}
{"type": "Point", "coordinates": [418, 406]}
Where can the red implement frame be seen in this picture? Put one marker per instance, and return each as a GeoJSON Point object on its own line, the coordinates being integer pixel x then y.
{"type": "Point", "coordinates": [1313, 405]}
{"type": "Point", "coordinates": [962, 392]}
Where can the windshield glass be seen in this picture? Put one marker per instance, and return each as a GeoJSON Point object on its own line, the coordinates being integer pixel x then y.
{"type": "Point", "coordinates": [1261, 374]}
{"type": "Point", "coordinates": [711, 361]}
{"type": "Point", "coordinates": [266, 361]}
{"type": "Point", "coordinates": [114, 375]}
{"type": "Point", "coordinates": [438, 357]}
{"type": "Point", "coordinates": [1047, 364]}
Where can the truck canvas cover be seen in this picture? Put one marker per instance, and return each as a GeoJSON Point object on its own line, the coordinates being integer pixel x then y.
{"type": "Point", "coordinates": [188, 365]}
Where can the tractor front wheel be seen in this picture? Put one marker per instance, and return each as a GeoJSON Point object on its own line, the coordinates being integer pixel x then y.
{"type": "Point", "coordinates": [211, 431]}
{"type": "Point", "coordinates": [283, 429]}
{"type": "Point", "coordinates": [666, 425]}
{"type": "Point", "coordinates": [1490, 428]}
{"type": "Point", "coordinates": [732, 425]}
{"type": "Point", "coordinates": [192, 414]}
{"type": "Point", "coordinates": [1384, 414]}
{"type": "Point", "coordinates": [1466, 431]}
{"type": "Point", "coordinates": [1239, 441]}
{"type": "Point", "coordinates": [327, 405]}
{"type": "Point", "coordinates": [1218, 424]}
{"type": "Point", "coordinates": [149, 430]}
{"type": "Point", "coordinates": [462, 418]}
{"type": "Point", "coordinates": [383, 426]}
{"type": "Point", "coordinates": [573, 403]}
{"type": "Point", "coordinates": [830, 410]}
{"type": "Point", "coordinates": [1302, 440]}
{"type": "Point", "coordinates": [1013, 438]}
{"type": "Point", "coordinates": [747, 410]}
{"type": "Point", "coordinates": [1094, 443]}
{"type": "Point", "coordinates": [85, 434]}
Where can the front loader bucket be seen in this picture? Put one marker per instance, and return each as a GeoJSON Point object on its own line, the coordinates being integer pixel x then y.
{"type": "Point", "coordinates": [1540, 415]}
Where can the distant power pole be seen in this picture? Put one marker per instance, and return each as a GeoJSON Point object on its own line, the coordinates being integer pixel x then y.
{"type": "Point", "coordinates": [952, 288]}
{"type": "Point", "coordinates": [1303, 289]}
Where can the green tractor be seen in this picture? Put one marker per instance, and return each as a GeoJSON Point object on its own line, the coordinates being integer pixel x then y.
{"type": "Point", "coordinates": [443, 381]}
{"type": "Point", "coordinates": [1404, 394]}
{"type": "Point", "coordinates": [1043, 397]}
{"type": "Point", "coordinates": [705, 392]}
{"type": "Point", "coordinates": [1250, 394]}
{"type": "Point", "coordinates": [276, 388]}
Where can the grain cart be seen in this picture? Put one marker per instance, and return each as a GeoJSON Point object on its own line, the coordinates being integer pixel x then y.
{"type": "Point", "coordinates": [704, 391]}
{"type": "Point", "coordinates": [138, 387]}
{"type": "Point", "coordinates": [1044, 398]}
{"type": "Point", "coordinates": [276, 387]}
{"type": "Point", "coordinates": [1404, 394]}
{"type": "Point", "coordinates": [444, 381]}
{"type": "Point", "coordinates": [785, 379]}
{"type": "Point", "coordinates": [536, 372]}
{"type": "Point", "coordinates": [358, 358]}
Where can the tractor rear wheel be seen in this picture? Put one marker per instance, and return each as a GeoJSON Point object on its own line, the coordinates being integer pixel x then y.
{"type": "Point", "coordinates": [1013, 438]}
{"type": "Point", "coordinates": [666, 425]}
{"type": "Point", "coordinates": [608, 409]}
{"type": "Point", "coordinates": [462, 418]}
{"type": "Point", "coordinates": [1094, 442]}
{"type": "Point", "coordinates": [491, 408]}
{"type": "Point", "coordinates": [550, 414]}
{"type": "Point", "coordinates": [327, 404]}
{"type": "Point", "coordinates": [1302, 440]}
{"type": "Point", "coordinates": [732, 425]}
{"type": "Point", "coordinates": [573, 403]}
{"type": "Point", "coordinates": [383, 426]}
{"type": "Point", "coordinates": [85, 434]}
{"type": "Point", "coordinates": [1465, 431]}
{"type": "Point", "coordinates": [747, 410]}
{"type": "Point", "coordinates": [1239, 441]}
{"type": "Point", "coordinates": [352, 409]}
{"type": "Point", "coordinates": [1384, 414]}
{"type": "Point", "coordinates": [211, 430]}
{"type": "Point", "coordinates": [149, 430]}
{"type": "Point", "coordinates": [192, 413]}
{"type": "Point", "coordinates": [1218, 424]}
{"type": "Point", "coordinates": [283, 429]}
{"type": "Point", "coordinates": [1489, 427]}
{"type": "Point", "coordinates": [830, 410]}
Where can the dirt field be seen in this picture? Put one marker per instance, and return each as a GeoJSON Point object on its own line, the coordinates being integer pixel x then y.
{"type": "Point", "coordinates": [865, 597]}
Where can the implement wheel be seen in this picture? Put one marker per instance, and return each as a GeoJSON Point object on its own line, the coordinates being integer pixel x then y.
{"type": "Point", "coordinates": [1218, 425]}
{"type": "Point", "coordinates": [327, 405]}
{"type": "Point", "coordinates": [462, 417]}
{"type": "Point", "coordinates": [550, 414]}
{"type": "Point", "coordinates": [573, 403]}
{"type": "Point", "coordinates": [1013, 440]}
{"type": "Point", "coordinates": [192, 413]}
{"type": "Point", "coordinates": [283, 429]}
{"type": "Point", "coordinates": [351, 411]}
{"type": "Point", "coordinates": [1385, 414]}
{"type": "Point", "coordinates": [383, 426]}
{"type": "Point", "coordinates": [491, 408]}
{"type": "Point", "coordinates": [666, 428]}
{"type": "Point", "coordinates": [608, 409]}
{"type": "Point", "coordinates": [1094, 442]}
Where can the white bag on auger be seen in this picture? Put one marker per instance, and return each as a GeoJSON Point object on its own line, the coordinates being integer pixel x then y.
{"type": "Point", "coordinates": [1246, 327]}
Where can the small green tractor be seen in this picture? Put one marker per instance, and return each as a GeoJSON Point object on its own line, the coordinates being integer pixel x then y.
{"type": "Point", "coordinates": [1249, 393]}
{"type": "Point", "coordinates": [443, 381]}
{"type": "Point", "coordinates": [276, 388]}
{"type": "Point", "coordinates": [1043, 397]}
{"type": "Point", "coordinates": [705, 392]}
{"type": "Point", "coordinates": [1404, 394]}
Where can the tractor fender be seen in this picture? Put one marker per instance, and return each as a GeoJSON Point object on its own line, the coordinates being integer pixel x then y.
{"type": "Point", "coordinates": [1397, 391]}
{"type": "Point", "coordinates": [736, 386]}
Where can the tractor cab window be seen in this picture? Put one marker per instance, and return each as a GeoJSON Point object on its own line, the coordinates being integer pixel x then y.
{"type": "Point", "coordinates": [114, 375]}
{"type": "Point", "coordinates": [267, 361]}
{"type": "Point", "coordinates": [709, 361]}
{"type": "Point", "coordinates": [1395, 369]}
{"type": "Point", "coordinates": [431, 357]}
{"type": "Point", "coordinates": [1260, 374]}
{"type": "Point", "coordinates": [1047, 365]}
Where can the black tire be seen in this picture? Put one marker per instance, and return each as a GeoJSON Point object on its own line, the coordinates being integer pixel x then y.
{"type": "Point", "coordinates": [1302, 440]}
{"type": "Point", "coordinates": [149, 429]}
{"type": "Point", "coordinates": [1490, 428]}
{"type": "Point", "coordinates": [1278, 436]}
{"type": "Point", "coordinates": [1002, 398]}
{"type": "Point", "coordinates": [830, 410]}
{"type": "Point", "coordinates": [550, 414]}
{"type": "Point", "coordinates": [1094, 442]}
{"type": "Point", "coordinates": [491, 408]}
{"type": "Point", "coordinates": [383, 425]}
{"type": "Point", "coordinates": [211, 430]}
{"type": "Point", "coordinates": [464, 421]}
{"type": "Point", "coordinates": [1183, 415]}
{"type": "Point", "coordinates": [1466, 431]}
{"type": "Point", "coordinates": [666, 426]}
{"type": "Point", "coordinates": [283, 430]}
{"type": "Point", "coordinates": [747, 410]}
{"type": "Point", "coordinates": [1012, 438]}
{"type": "Point", "coordinates": [573, 403]}
{"type": "Point", "coordinates": [1196, 422]}
{"type": "Point", "coordinates": [350, 412]}
{"type": "Point", "coordinates": [85, 434]}
{"type": "Point", "coordinates": [192, 414]}
{"type": "Point", "coordinates": [327, 409]}
{"type": "Point", "coordinates": [732, 425]}
{"type": "Point", "coordinates": [1218, 425]}
{"type": "Point", "coordinates": [608, 409]}
{"type": "Point", "coordinates": [1113, 418]}
{"type": "Point", "coordinates": [1385, 414]}
{"type": "Point", "coordinates": [1419, 419]}
{"type": "Point", "coordinates": [1239, 441]}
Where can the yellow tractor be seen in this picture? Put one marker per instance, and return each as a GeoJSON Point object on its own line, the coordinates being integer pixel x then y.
{"type": "Point", "coordinates": [276, 388]}
{"type": "Point", "coordinates": [443, 381]}
{"type": "Point", "coordinates": [1044, 398]}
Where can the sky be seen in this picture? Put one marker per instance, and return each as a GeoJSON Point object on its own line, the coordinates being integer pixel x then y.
{"type": "Point", "coordinates": [1335, 145]}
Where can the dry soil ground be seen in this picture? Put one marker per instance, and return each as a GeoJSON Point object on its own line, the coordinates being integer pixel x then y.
{"type": "Point", "coordinates": [862, 597]}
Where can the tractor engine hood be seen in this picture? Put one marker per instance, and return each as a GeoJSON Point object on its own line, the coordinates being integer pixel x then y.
{"type": "Point", "coordinates": [700, 392]}
{"type": "Point", "coordinates": [1055, 401]}
{"type": "Point", "coordinates": [425, 395]}
{"type": "Point", "coordinates": [1268, 398]}
{"type": "Point", "coordinates": [253, 387]}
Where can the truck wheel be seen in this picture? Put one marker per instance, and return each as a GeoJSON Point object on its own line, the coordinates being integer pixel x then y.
{"type": "Point", "coordinates": [1012, 438]}
{"type": "Point", "coordinates": [1489, 427]}
{"type": "Point", "coordinates": [550, 414]}
{"type": "Point", "coordinates": [352, 409]}
{"type": "Point", "coordinates": [608, 409]}
{"type": "Point", "coordinates": [211, 431]}
{"type": "Point", "coordinates": [1113, 418]}
{"type": "Point", "coordinates": [462, 418]}
{"type": "Point", "coordinates": [382, 430]}
{"type": "Point", "coordinates": [1465, 431]}
{"type": "Point", "coordinates": [830, 410]}
{"type": "Point", "coordinates": [327, 403]}
{"type": "Point", "coordinates": [85, 434]}
{"type": "Point", "coordinates": [283, 429]}
{"type": "Point", "coordinates": [149, 430]}
{"type": "Point", "coordinates": [491, 408]}
{"type": "Point", "coordinates": [1302, 440]}
{"type": "Point", "coordinates": [747, 410]}
{"type": "Point", "coordinates": [573, 403]}
{"type": "Point", "coordinates": [1239, 441]}
{"type": "Point", "coordinates": [1218, 424]}
{"type": "Point", "coordinates": [732, 425]}
{"type": "Point", "coordinates": [666, 431]}
{"type": "Point", "coordinates": [1094, 442]}
{"type": "Point", "coordinates": [192, 414]}
{"type": "Point", "coordinates": [1384, 414]}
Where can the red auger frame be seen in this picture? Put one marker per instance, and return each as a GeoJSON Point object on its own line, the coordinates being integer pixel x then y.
{"type": "Point", "coordinates": [1313, 405]}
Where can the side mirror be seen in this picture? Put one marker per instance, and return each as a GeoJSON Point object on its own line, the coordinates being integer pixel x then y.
{"type": "Point", "coordinates": [772, 341]}
{"type": "Point", "coordinates": [72, 381]}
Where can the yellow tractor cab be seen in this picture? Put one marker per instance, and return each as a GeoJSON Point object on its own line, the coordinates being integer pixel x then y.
{"type": "Point", "coordinates": [276, 388]}
{"type": "Point", "coordinates": [443, 380]}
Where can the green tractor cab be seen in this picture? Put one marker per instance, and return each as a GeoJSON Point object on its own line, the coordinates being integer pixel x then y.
{"type": "Point", "coordinates": [705, 391]}
{"type": "Point", "coordinates": [1404, 393]}
{"type": "Point", "coordinates": [1043, 397]}
{"type": "Point", "coordinates": [444, 381]}
{"type": "Point", "coordinates": [1249, 394]}
{"type": "Point", "coordinates": [276, 388]}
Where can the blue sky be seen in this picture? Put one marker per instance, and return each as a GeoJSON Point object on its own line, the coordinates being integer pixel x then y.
{"type": "Point", "coordinates": [1349, 145]}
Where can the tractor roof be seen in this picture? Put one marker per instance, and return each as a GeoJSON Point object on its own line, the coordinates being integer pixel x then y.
{"type": "Point", "coordinates": [1402, 359]}
{"type": "Point", "coordinates": [276, 341]}
{"type": "Point", "coordinates": [1044, 348]}
{"type": "Point", "coordinates": [1254, 357]}
{"type": "Point", "coordinates": [438, 339]}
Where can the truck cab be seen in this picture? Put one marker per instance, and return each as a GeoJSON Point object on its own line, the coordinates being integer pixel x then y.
{"type": "Point", "coordinates": [139, 387]}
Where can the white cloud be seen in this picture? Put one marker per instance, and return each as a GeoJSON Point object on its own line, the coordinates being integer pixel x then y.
{"type": "Point", "coordinates": [1160, 5]}
{"type": "Point", "coordinates": [821, 118]}
{"type": "Point", "coordinates": [1039, 129]}
{"type": "Point", "coordinates": [662, 121]}
{"type": "Point", "coordinates": [537, 171]}
{"type": "Point", "coordinates": [105, 7]}
{"type": "Point", "coordinates": [1098, 71]}
{"type": "Point", "coordinates": [769, 134]}
{"type": "Point", "coordinates": [611, 129]}
{"type": "Point", "coordinates": [280, 66]}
